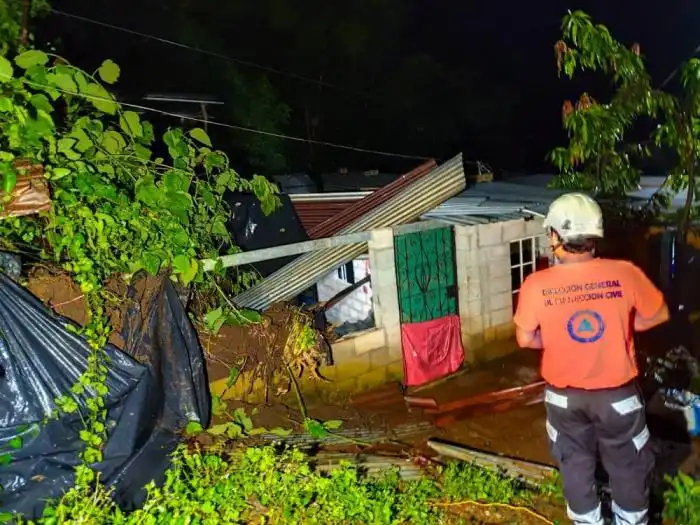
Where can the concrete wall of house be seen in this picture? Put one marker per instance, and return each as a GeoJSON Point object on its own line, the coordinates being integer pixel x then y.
{"type": "Point", "coordinates": [485, 288]}
{"type": "Point", "coordinates": [370, 358]}
{"type": "Point", "coordinates": [358, 305]}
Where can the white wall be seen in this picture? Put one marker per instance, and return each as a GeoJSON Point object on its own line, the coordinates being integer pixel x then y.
{"type": "Point", "coordinates": [353, 308]}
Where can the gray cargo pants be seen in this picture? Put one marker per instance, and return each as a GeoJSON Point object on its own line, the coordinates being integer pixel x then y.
{"type": "Point", "coordinates": [584, 423]}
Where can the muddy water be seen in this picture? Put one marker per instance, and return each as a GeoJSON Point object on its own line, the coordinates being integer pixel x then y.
{"type": "Point", "coordinates": [519, 432]}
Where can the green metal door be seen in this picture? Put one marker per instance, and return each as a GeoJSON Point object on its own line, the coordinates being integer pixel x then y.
{"type": "Point", "coordinates": [426, 274]}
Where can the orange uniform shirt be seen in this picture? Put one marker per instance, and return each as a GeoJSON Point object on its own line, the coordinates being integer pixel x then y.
{"type": "Point", "coordinates": [585, 315]}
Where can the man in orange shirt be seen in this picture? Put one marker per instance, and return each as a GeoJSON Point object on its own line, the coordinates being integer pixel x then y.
{"type": "Point", "coordinates": [582, 313]}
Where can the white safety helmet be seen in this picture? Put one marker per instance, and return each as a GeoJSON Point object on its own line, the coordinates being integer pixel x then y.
{"type": "Point", "coordinates": [575, 215]}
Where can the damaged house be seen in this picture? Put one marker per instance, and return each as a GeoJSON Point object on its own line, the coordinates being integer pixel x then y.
{"type": "Point", "coordinates": [418, 276]}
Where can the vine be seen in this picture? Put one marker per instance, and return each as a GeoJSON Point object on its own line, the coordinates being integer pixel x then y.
{"type": "Point", "coordinates": [122, 201]}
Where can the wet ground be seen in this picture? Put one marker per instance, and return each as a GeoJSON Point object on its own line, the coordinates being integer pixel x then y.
{"type": "Point", "coordinates": [518, 433]}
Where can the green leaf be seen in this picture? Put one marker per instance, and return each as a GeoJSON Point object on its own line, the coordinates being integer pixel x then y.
{"type": "Point", "coordinates": [193, 427]}
{"type": "Point", "coordinates": [148, 135]}
{"type": "Point", "coordinates": [113, 142]}
{"type": "Point", "coordinates": [218, 406]}
{"type": "Point", "coordinates": [214, 319]}
{"type": "Point", "coordinates": [314, 428]}
{"type": "Point", "coordinates": [142, 152]}
{"type": "Point", "coordinates": [200, 135]}
{"type": "Point", "coordinates": [16, 442]}
{"type": "Point", "coordinates": [130, 122]}
{"type": "Point", "coordinates": [30, 58]}
{"type": "Point", "coordinates": [6, 70]}
{"type": "Point", "coordinates": [147, 192]}
{"type": "Point", "coordinates": [151, 263]}
{"type": "Point", "coordinates": [176, 181]}
{"type": "Point", "coordinates": [109, 71]}
{"type": "Point", "coordinates": [101, 99]}
{"type": "Point", "coordinates": [219, 430]}
{"type": "Point", "coordinates": [6, 104]}
{"type": "Point", "coordinates": [64, 82]}
{"type": "Point", "coordinates": [84, 143]}
{"type": "Point", "coordinates": [179, 203]}
{"type": "Point", "coordinates": [9, 180]}
{"type": "Point", "coordinates": [233, 376]}
{"type": "Point", "coordinates": [6, 517]}
{"type": "Point", "coordinates": [279, 431]}
{"type": "Point", "coordinates": [186, 268]}
{"type": "Point", "coordinates": [333, 424]}
{"type": "Point", "coordinates": [5, 459]}
{"type": "Point", "coordinates": [234, 431]}
{"type": "Point", "coordinates": [219, 228]}
{"type": "Point", "coordinates": [172, 137]}
{"type": "Point", "coordinates": [226, 181]}
{"type": "Point", "coordinates": [250, 316]}
{"type": "Point", "coordinates": [81, 80]}
{"type": "Point", "coordinates": [214, 160]}
{"type": "Point", "coordinates": [40, 101]}
{"type": "Point", "coordinates": [65, 146]}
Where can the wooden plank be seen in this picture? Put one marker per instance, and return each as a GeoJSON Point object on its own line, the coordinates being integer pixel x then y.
{"type": "Point", "coordinates": [529, 471]}
{"type": "Point", "coordinates": [420, 402]}
{"type": "Point", "coordinates": [491, 397]}
{"type": "Point", "coordinates": [491, 403]}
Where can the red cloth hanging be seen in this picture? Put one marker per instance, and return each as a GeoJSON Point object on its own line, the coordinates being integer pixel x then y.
{"type": "Point", "coordinates": [431, 350]}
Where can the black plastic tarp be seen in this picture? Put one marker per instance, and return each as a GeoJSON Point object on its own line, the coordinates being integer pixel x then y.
{"type": "Point", "coordinates": [149, 401]}
{"type": "Point", "coordinates": [251, 229]}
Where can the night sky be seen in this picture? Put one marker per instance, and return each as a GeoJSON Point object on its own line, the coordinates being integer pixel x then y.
{"type": "Point", "coordinates": [484, 82]}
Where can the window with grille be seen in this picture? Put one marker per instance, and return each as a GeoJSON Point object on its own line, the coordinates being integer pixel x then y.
{"type": "Point", "coordinates": [523, 261]}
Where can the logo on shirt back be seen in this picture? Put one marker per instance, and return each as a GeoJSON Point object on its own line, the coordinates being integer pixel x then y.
{"type": "Point", "coordinates": [585, 326]}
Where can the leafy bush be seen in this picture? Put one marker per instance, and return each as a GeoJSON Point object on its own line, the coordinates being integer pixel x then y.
{"type": "Point", "coordinates": [117, 207]}
{"type": "Point", "coordinates": [266, 486]}
{"type": "Point", "coordinates": [682, 500]}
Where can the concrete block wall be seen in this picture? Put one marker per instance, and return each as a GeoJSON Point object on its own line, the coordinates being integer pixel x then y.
{"type": "Point", "coordinates": [485, 289]}
{"type": "Point", "coordinates": [371, 358]}
{"type": "Point", "coordinates": [354, 308]}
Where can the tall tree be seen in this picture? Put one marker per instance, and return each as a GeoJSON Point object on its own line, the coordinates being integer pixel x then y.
{"type": "Point", "coordinates": [609, 139]}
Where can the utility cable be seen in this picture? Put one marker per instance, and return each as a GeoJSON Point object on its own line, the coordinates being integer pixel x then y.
{"type": "Point", "coordinates": [231, 126]}
{"type": "Point", "coordinates": [214, 54]}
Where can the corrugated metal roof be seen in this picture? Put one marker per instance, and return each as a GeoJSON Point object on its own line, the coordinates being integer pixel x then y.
{"type": "Point", "coordinates": [649, 185]}
{"type": "Point", "coordinates": [314, 209]}
{"type": "Point", "coordinates": [336, 223]}
{"type": "Point", "coordinates": [494, 202]}
{"type": "Point", "coordinates": [415, 199]}
{"type": "Point", "coordinates": [312, 214]}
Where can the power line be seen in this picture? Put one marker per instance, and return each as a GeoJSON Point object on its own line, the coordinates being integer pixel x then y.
{"type": "Point", "coordinates": [232, 126]}
{"type": "Point", "coordinates": [214, 54]}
